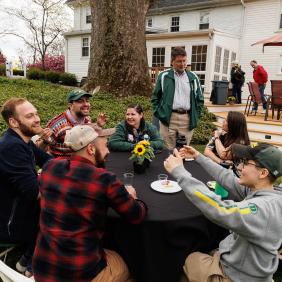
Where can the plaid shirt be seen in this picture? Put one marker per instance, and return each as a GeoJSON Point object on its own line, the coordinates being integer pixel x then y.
{"type": "Point", "coordinates": [75, 198]}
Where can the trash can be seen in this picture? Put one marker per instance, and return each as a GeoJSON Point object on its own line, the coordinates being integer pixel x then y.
{"type": "Point", "coordinates": [219, 91]}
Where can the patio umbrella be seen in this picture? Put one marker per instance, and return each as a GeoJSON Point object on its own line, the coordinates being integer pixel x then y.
{"type": "Point", "coordinates": [275, 40]}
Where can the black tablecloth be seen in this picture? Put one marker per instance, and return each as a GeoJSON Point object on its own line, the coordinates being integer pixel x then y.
{"type": "Point", "coordinates": [156, 249]}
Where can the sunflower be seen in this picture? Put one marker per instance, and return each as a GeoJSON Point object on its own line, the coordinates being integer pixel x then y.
{"type": "Point", "coordinates": [139, 149]}
{"type": "Point", "coordinates": [144, 142]}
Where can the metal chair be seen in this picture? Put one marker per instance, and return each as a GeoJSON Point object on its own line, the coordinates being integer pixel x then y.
{"type": "Point", "coordinates": [5, 249]}
{"type": "Point", "coordinates": [8, 274]}
{"type": "Point", "coordinates": [275, 100]}
{"type": "Point", "coordinates": [253, 97]}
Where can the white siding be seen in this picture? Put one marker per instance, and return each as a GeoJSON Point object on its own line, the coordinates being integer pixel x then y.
{"type": "Point", "coordinates": [228, 19]}
{"type": "Point", "coordinates": [261, 21]}
{"type": "Point", "coordinates": [80, 18]}
{"type": "Point", "coordinates": [76, 23]}
{"type": "Point", "coordinates": [75, 62]}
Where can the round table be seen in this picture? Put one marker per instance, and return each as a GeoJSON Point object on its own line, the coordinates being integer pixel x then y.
{"type": "Point", "coordinates": [156, 249]}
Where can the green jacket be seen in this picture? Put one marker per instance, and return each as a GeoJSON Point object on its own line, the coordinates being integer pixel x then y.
{"type": "Point", "coordinates": [124, 140]}
{"type": "Point", "coordinates": [163, 95]}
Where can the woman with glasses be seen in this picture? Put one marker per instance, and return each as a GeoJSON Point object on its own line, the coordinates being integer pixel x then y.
{"type": "Point", "coordinates": [234, 131]}
{"type": "Point", "coordinates": [134, 129]}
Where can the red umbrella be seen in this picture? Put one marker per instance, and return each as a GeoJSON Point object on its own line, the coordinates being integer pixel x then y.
{"type": "Point", "coordinates": [275, 40]}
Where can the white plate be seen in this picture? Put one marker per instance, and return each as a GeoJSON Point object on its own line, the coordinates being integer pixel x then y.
{"type": "Point", "coordinates": [173, 187]}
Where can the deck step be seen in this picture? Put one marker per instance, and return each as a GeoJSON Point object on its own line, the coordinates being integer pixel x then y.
{"type": "Point", "coordinates": [261, 134]}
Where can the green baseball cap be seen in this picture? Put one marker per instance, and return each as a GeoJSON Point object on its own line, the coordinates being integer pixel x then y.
{"type": "Point", "coordinates": [76, 94]}
{"type": "Point", "coordinates": [267, 156]}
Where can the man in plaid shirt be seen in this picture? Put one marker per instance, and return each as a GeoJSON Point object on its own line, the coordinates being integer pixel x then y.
{"type": "Point", "coordinates": [75, 196]}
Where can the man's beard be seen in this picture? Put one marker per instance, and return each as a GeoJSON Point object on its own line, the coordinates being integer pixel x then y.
{"type": "Point", "coordinates": [80, 115]}
{"type": "Point", "coordinates": [100, 161]}
{"type": "Point", "coordinates": [27, 131]}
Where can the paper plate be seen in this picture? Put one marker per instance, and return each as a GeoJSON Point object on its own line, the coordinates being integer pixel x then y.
{"type": "Point", "coordinates": [172, 187]}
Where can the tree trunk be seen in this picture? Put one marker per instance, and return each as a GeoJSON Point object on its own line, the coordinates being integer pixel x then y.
{"type": "Point", "coordinates": [118, 58]}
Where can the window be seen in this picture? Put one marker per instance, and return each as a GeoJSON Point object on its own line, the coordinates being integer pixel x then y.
{"type": "Point", "coordinates": [85, 47]}
{"type": "Point", "coordinates": [202, 78]}
{"type": "Point", "coordinates": [217, 59]}
{"type": "Point", "coordinates": [204, 20]}
{"type": "Point", "coordinates": [280, 25]}
{"type": "Point", "coordinates": [149, 22]}
{"type": "Point", "coordinates": [174, 24]}
{"type": "Point", "coordinates": [225, 61]}
{"type": "Point", "coordinates": [158, 58]}
{"type": "Point", "coordinates": [88, 16]}
{"type": "Point", "coordinates": [199, 58]}
{"type": "Point", "coordinates": [233, 56]}
{"type": "Point", "coordinates": [216, 77]}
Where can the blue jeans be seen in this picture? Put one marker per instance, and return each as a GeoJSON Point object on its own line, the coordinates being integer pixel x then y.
{"type": "Point", "coordinates": [263, 98]}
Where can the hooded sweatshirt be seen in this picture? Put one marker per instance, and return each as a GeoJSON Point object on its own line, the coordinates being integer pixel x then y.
{"type": "Point", "coordinates": [249, 253]}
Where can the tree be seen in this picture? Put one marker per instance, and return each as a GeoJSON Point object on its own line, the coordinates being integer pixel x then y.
{"type": "Point", "coordinates": [118, 59]}
{"type": "Point", "coordinates": [2, 58]}
{"type": "Point", "coordinates": [53, 63]}
{"type": "Point", "coordinates": [46, 20]}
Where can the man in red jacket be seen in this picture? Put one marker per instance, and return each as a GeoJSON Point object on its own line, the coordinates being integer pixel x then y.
{"type": "Point", "coordinates": [260, 77]}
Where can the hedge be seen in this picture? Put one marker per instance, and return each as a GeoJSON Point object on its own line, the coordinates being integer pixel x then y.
{"type": "Point", "coordinates": [65, 78]}
{"type": "Point", "coordinates": [50, 99]}
{"type": "Point", "coordinates": [2, 70]}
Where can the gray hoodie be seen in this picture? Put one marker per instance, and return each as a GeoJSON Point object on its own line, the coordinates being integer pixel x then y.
{"type": "Point", "coordinates": [249, 253]}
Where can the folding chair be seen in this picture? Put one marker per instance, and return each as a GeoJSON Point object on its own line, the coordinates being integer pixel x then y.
{"type": "Point", "coordinates": [8, 274]}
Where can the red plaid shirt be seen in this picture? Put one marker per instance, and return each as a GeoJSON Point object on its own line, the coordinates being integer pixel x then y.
{"type": "Point", "coordinates": [75, 197]}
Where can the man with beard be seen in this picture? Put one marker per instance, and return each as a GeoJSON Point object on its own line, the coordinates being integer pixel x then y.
{"type": "Point", "coordinates": [77, 113]}
{"type": "Point", "coordinates": [75, 196]}
{"type": "Point", "coordinates": [19, 193]}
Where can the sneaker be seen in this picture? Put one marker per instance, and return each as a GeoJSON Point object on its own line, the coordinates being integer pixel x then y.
{"type": "Point", "coordinates": [263, 111]}
{"type": "Point", "coordinates": [254, 110]}
{"type": "Point", "coordinates": [23, 263]}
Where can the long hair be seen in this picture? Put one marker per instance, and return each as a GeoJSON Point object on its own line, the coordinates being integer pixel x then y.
{"type": "Point", "coordinates": [237, 129]}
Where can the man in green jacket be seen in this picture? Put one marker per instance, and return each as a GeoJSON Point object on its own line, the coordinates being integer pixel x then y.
{"type": "Point", "coordinates": [177, 100]}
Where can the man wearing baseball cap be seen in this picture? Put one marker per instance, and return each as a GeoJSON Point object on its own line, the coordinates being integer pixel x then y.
{"type": "Point", "coordinates": [75, 196]}
{"type": "Point", "coordinates": [77, 113]}
{"type": "Point", "coordinates": [252, 214]}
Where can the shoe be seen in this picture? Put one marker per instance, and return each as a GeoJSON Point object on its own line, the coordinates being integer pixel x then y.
{"type": "Point", "coordinates": [263, 111]}
{"type": "Point", "coordinates": [23, 264]}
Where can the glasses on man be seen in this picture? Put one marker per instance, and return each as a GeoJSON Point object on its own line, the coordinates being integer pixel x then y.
{"type": "Point", "coordinates": [245, 162]}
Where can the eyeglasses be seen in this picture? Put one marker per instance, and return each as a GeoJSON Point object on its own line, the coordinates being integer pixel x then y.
{"type": "Point", "coordinates": [245, 162]}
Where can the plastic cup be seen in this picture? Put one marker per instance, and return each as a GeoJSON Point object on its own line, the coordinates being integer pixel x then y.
{"type": "Point", "coordinates": [163, 178]}
{"type": "Point", "coordinates": [219, 190]}
{"type": "Point", "coordinates": [128, 179]}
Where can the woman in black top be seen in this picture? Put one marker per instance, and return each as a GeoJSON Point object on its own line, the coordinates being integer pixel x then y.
{"type": "Point", "coordinates": [234, 130]}
{"type": "Point", "coordinates": [237, 79]}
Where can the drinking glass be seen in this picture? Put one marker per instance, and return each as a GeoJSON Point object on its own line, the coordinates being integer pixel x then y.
{"type": "Point", "coordinates": [163, 178]}
{"type": "Point", "coordinates": [128, 179]}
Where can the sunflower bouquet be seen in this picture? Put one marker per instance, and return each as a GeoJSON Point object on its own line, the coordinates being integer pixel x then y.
{"type": "Point", "coordinates": [142, 151]}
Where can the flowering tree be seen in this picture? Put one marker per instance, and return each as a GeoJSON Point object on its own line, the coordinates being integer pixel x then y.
{"type": "Point", "coordinates": [54, 63]}
{"type": "Point", "coordinates": [2, 59]}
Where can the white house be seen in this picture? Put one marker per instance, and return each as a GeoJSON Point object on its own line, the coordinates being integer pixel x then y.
{"type": "Point", "coordinates": [214, 33]}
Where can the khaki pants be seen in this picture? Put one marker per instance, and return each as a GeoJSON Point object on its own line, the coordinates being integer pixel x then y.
{"type": "Point", "coordinates": [115, 271]}
{"type": "Point", "coordinates": [179, 123]}
{"type": "Point", "coordinates": [201, 267]}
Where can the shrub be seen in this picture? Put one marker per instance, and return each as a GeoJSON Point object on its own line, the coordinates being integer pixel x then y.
{"type": "Point", "coordinates": [2, 70]}
{"type": "Point", "coordinates": [18, 72]}
{"type": "Point", "coordinates": [68, 79]}
{"type": "Point", "coordinates": [52, 76]}
{"type": "Point", "coordinates": [203, 132]}
{"type": "Point", "coordinates": [35, 74]}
